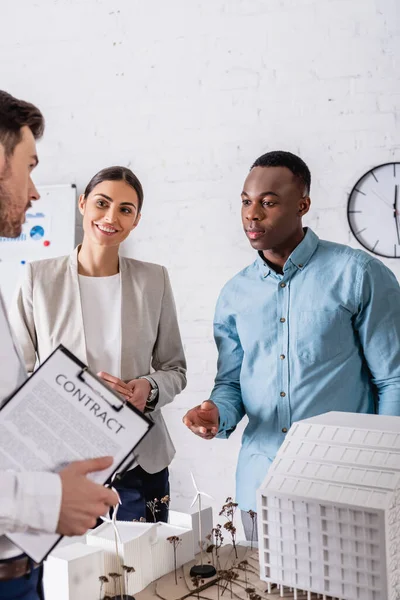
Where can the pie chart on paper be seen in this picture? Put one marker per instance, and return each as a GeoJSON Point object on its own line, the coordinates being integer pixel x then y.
{"type": "Point", "coordinates": [37, 232]}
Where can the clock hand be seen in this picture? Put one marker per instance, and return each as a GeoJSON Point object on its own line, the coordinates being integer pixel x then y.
{"type": "Point", "coordinates": [382, 199]}
{"type": "Point", "coordinates": [395, 212]}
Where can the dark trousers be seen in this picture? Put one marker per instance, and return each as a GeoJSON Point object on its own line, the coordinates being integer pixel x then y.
{"type": "Point", "coordinates": [28, 587]}
{"type": "Point", "coordinates": [138, 490]}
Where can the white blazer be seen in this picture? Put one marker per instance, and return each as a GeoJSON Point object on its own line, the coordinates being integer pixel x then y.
{"type": "Point", "coordinates": [48, 312]}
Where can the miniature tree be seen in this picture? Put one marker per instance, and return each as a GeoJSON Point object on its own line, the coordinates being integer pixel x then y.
{"type": "Point", "coordinates": [243, 565]}
{"type": "Point", "coordinates": [222, 576]}
{"type": "Point", "coordinates": [165, 500]}
{"type": "Point", "coordinates": [127, 571]}
{"type": "Point", "coordinates": [229, 575]}
{"type": "Point", "coordinates": [234, 576]}
{"type": "Point", "coordinates": [164, 507]}
{"type": "Point", "coordinates": [117, 577]}
{"type": "Point", "coordinates": [228, 511]}
{"type": "Point", "coordinates": [175, 541]}
{"type": "Point", "coordinates": [253, 517]}
{"type": "Point", "coordinates": [196, 583]}
{"type": "Point", "coordinates": [218, 537]}
{"type": "Point", "coordinates": [210, 548]}
{"type": "Point", "coordinates": [103, 579]}
{"type": "Point", "coordinates": [152, 505]}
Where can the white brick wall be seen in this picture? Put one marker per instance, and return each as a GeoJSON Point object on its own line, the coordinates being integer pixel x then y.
{"type": "Point", "coordinates": [188, 94]}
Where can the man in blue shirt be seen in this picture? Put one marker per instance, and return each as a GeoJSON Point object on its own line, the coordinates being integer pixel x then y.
{"type": "Point", "coordinates": [311, 326]}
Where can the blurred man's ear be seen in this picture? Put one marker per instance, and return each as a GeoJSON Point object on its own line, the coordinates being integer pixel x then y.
{"type": "Point", "coordinates": [304, 206]}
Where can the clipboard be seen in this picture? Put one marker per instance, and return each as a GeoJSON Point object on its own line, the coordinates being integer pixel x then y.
{"type": "Point", "coordinates": [63, 413]}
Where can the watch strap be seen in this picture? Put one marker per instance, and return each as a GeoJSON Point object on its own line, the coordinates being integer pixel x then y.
{"type": "Point", "coordinates": [153, 396]}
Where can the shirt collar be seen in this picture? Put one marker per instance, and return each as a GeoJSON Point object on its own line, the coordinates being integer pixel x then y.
{"type": "Point", "coordinates": [73, 257]}
{"type": "Point", "coordinates": [299, 257]}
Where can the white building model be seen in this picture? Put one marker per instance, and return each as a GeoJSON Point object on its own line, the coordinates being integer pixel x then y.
{"type": "Point", "coordinates": [329, 508]}
{"type": "Point", "coordinates": [72, 571]}
{"type": "Point", "coordinates": [143, 546]}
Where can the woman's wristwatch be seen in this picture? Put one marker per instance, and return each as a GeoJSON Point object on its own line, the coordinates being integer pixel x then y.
{"type": "Point", "coordinates": [153, 395]}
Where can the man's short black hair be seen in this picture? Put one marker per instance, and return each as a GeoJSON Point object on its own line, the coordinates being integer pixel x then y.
{"type": "Point", "coordinates": [280, 158]}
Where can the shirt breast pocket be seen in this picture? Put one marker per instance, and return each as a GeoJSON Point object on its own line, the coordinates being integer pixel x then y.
{"type": "Point", "coordinates": [321, 335]}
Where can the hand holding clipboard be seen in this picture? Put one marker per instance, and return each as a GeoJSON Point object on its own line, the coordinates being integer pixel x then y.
{"type": "Point", "coordinates": [83, 501]}
{"type": "Point", "coordinates": [61, 414]}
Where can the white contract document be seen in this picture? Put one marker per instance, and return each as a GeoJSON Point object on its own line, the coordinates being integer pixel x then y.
{"type": "Point", "coordinates": [64, 413]}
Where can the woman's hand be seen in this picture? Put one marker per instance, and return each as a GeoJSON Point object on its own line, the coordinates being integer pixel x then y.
{"type": "Point", "coordinates": [116, 384]}
{"type": "Point", "coordinates": [136, 391]}
{"type": "Point", "coordinates": [140, 390]}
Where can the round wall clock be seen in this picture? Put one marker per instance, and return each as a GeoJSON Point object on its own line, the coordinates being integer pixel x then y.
{"type": "Point", "coordinates": [373, 210]}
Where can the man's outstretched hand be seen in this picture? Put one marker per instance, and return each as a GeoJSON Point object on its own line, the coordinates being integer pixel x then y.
{"type": "Point", "coordinates": [203, 420]}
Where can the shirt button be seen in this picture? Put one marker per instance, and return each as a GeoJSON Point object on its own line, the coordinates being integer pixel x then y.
{"type": "Point", "coordinates": [282, 319]}
{"type": "Point", "coordinates": [282, 284]}
{"type": "Point", "coordinates": [283, 394]}
{"type": "Point", "coordinates": [300, 265]}
{"type": "Point", "coordinates": [282, 357]}
{"type": "Point", "coordinates": [284, 430]}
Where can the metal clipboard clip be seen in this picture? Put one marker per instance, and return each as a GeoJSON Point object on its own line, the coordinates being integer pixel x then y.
{"type": "Point", "coordinates": [81, 377]}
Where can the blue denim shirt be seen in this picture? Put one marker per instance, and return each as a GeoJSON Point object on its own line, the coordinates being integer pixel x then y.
{"type": "Point", "coordinates": [323, 336]}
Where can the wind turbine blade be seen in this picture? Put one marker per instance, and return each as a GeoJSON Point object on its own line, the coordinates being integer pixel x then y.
{"type": "Point", "coordinates": [206, 495]}
{"type": "Point", "coordinates": [195, 500]}
{"type": "Point", "coordinates": [194, 483]}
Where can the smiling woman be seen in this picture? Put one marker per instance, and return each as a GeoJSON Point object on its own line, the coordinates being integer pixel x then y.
{"type": "Point", "coordinates": [111, 207]}
{"type": "Point", "coordinates": [118, 316]}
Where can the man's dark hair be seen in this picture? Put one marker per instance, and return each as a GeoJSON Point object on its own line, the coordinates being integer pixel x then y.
{"type": "Point", "coordinates": [15, 114]}
{"type": "Point", "coordinates": [295, 164]}
{"type": "Point", "coordinates": [117, 174]}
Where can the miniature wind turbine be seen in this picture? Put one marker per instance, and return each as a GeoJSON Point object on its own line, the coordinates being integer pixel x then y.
{"type": "Point", "coordinates": [201, 570]}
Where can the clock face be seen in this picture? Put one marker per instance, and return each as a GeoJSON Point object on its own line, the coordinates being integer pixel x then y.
{"type": "Point", "coordinates": [373, 210]}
